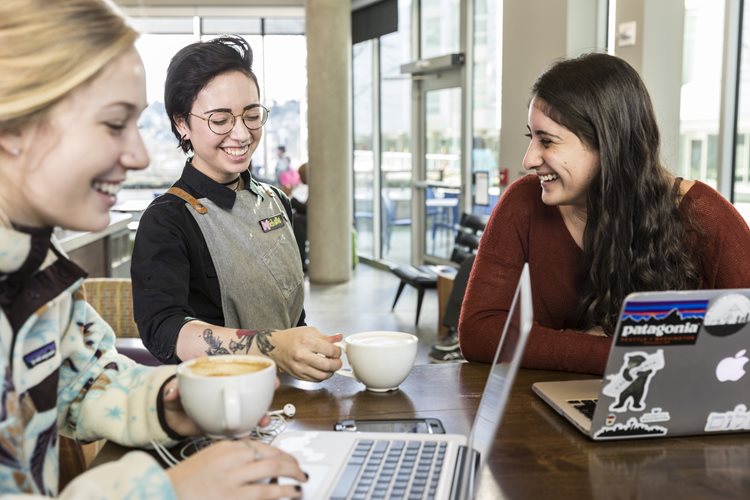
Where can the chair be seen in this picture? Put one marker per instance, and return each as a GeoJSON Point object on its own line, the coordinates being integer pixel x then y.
{"type": "Point", "coordinates": [113, 300]}
{"type": "Point", "coordinates": [389, 220]}
{"type": "Point", "coordinates": [443, 212]}
{"type": "Point", "coordinates": [425, 277]}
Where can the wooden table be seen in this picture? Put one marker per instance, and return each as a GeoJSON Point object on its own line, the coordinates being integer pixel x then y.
{"type": "Point", "coordinates": [537, 454]}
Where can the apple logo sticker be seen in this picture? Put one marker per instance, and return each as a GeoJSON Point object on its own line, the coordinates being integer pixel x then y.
{"type": "Point", "coordinates": [727, 315]}
{"type": "Point", "coordinates": [732, 368]}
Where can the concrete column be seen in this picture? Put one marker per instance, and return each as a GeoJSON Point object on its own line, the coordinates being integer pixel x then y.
{"type": "Point", "coordinates": [657, 56]}
{"type": "Point", "coordinates": [329, 67]}
{"type": "Point", "coordinates": [534, 36]}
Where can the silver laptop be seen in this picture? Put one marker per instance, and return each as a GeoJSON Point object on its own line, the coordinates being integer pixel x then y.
{"type": "Point", "coordinates": [677, 367]}
{"type": "Point", "coordinates": [353, 465]}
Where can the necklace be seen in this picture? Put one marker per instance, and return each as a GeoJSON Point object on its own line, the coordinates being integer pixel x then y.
{"type": "Point", "coordinates": [233, 181]}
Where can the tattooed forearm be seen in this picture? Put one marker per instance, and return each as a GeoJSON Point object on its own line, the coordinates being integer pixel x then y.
{"type": "Point", "coordinates": [214, 344]}
{"type": "Point", "coordinates": [241, 346]}
{"type": "Point", "coordinates": [264, 341]}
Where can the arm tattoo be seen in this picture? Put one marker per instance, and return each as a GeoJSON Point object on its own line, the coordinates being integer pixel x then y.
{"type": "Point", "coordinates": [264, 341]}
{"type": "Point", "coordinates": [242, 345]}
{"type": "Point", "coordinates": [214, 344]}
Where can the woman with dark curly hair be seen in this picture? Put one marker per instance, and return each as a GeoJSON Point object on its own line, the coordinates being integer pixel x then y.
{"type": "Point", "coordinates": [598, 218]}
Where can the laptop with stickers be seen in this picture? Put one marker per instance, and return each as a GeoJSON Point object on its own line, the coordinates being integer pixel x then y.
{"type": "Point", "coordinates": [676, 367]}
{"type": "Point", "coordinates": [351, 465]}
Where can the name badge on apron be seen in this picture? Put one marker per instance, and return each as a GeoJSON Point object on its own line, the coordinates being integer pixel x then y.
{"type": "Point", "coordinates": [272, 223]}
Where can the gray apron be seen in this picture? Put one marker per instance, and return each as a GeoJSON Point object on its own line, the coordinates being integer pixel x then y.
{"type": "Point", "coordinates": [257, 262]}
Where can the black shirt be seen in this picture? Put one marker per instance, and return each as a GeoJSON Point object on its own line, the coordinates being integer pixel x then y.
{"type": "Point", "coordinates": [169, 292]}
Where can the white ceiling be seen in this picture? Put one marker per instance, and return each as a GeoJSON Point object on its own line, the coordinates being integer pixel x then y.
{"type": "Point", "coordinates": [211, 3]}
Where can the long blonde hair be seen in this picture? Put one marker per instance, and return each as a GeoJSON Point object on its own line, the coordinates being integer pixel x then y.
{"type": "Point", "coordinates": [47, 49]}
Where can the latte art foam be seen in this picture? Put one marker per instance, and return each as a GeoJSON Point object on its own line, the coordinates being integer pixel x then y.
{"type": "Point", "coordinates": [379, 341]}
{"type": "Point", "coordinates": [210, 368]}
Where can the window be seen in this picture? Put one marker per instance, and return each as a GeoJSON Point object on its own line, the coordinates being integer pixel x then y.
{"type": "Point", "coordinates": [486, 93]}
{"type": "Point", "coordinates": [700, 99]}
{"type": "Point", "coordinates": [742, 151]}
{"type": "Point", "coordinates": [364, 163]}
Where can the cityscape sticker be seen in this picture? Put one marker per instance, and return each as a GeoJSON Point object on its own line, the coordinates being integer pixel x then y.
{"type": "Point", "coordinates": [660, 323]}
{"type": "Point", "coordinates": [727, 315]}
{"type": "Point", "coordinates": [631, 429]}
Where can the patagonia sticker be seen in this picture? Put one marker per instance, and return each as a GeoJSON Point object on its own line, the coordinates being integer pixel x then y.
{"type": "Point", "coordinates": [272, 223]}
{"type": "Point", "coordinates": [652, 323]}
{"type": "Point", "coordinates": [40, 355]}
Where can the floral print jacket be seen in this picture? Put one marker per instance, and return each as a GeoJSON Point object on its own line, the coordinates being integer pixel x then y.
{"type": "Point", "coordinates": [60, 374]}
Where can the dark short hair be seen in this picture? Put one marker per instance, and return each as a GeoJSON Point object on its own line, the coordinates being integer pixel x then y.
{"type": "Point", "coordinates": [194, 66]}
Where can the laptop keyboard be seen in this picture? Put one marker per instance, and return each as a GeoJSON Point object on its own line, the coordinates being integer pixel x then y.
{"type": "Point", "coordinates": [585, 406]}
{"type": "Point", "coordinates": [382, 469]}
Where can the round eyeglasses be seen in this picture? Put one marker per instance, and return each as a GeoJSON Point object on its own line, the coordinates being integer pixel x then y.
{"type": "Point", "coordinates": [222, 122]}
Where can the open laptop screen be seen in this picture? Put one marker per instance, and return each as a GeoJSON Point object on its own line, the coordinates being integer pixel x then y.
{"type": "Point", "coordinates": [503, 370]}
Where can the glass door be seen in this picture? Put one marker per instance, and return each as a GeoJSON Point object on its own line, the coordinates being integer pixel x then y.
{"type": "Point", "coordinates": [439, 172]}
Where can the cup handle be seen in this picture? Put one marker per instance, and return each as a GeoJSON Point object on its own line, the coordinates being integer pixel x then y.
{"type": "Point", "coordinates": [231, 399]}
{"type": "Point", "coordinates": [346, 372]}
{"type": "Point", "coordinates": [341, 345]}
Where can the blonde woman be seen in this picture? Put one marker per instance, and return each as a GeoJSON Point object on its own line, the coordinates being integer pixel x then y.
{"type": "Point", "coordinates": [71, 90]}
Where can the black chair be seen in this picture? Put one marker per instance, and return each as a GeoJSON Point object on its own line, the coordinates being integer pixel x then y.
{"type": "Point", "coordinates": [425, 277]}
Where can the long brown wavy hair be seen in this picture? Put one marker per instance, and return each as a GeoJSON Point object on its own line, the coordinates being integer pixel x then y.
{"type": "Point", "coordinates": [634, 238]}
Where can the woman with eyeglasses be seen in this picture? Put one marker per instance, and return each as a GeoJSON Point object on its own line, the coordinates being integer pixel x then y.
{"type": "Point", "coordinates": [215, 265]}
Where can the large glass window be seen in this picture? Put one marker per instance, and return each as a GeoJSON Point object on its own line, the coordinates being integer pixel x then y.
{"type": "Point", "coordinates": [742, 145]}
{"type": "Point", "coordinates": [700, 99]}
{"type": "Point", "coordinates": [364, 163]}
{"type": "Point", "coordinates": [167, 159]}
{"type": "Point", "coordinates": [395, 141]}
{"type": "Point", "coordinates": [486, 103]}
{"type": "Point", "coordinates": [285, 95]}
{"type": "Point", "coordinates": [440, 27]}
{"type": "Point", "coordinates": [442, 165]}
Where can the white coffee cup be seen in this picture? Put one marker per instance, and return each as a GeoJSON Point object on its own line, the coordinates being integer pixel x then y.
{"type": "Point", "coordinates": [381, 360]}
{"type": "Point", "coordinates": [226, 396]}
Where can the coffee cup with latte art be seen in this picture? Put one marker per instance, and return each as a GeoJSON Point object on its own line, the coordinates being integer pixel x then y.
{"type": "Point", "coordinates": [226, 396]}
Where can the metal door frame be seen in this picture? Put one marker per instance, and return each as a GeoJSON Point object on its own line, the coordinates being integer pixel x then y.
{"type": "Point", "coordinates": [449, 78]}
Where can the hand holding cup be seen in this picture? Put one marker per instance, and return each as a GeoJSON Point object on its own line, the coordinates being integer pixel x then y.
{"type": "Point", "coordinates": [227, 396]}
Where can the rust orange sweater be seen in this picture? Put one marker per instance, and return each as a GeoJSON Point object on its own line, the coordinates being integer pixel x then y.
{"type": "Point", "coordinates": [523, 229]}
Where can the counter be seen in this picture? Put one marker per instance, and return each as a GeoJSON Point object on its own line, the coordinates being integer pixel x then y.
{"type": "Point", "coordinates": [104, 253]}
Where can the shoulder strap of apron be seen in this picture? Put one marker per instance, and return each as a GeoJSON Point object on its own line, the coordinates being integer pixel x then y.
{"type": "Point", "coordinates": [181, 193]}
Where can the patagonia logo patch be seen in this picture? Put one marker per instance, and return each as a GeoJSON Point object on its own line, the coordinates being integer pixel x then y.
{"type": "Point", "coordinates": [674, 322]}
{"type": "Point", "coordinates": [40, 354]}
{"type": "Point", "coordinates": [272, 223]}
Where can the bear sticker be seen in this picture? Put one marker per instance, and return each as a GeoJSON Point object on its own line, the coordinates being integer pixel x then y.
{"type": "Point", "coordinates": [630, 386]}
